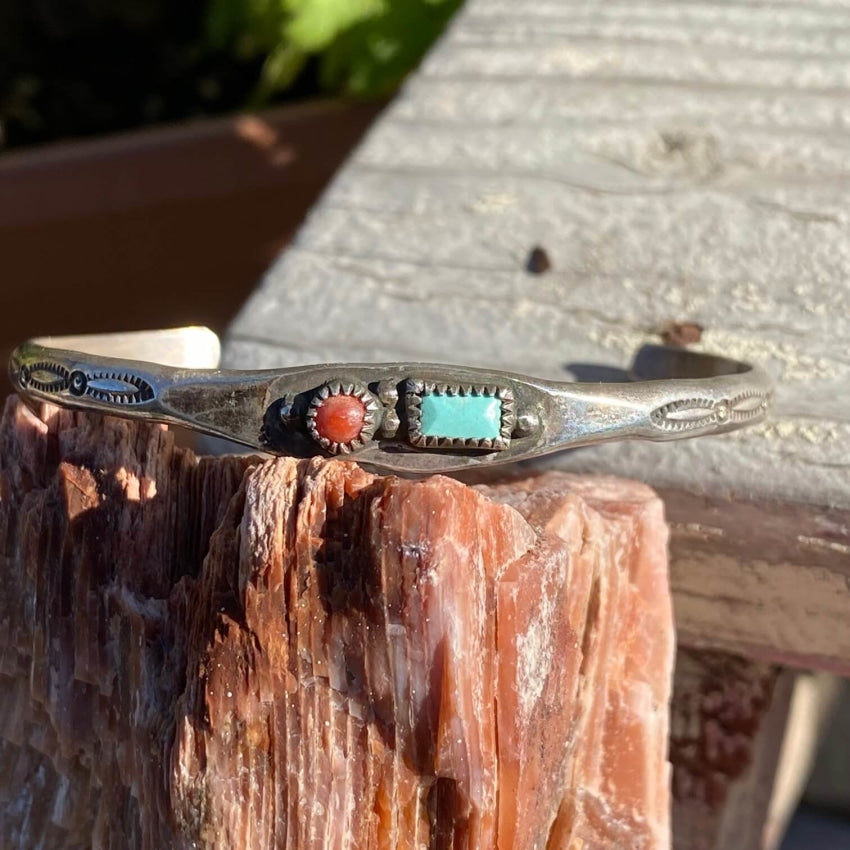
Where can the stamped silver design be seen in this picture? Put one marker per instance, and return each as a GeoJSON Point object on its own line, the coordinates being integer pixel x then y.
{"type": "Point", "coordinates": [693, 414]}
{"type": "Point", "coordinates": [748, 406]}
{"type": "Point", "coordinates": [45, 377]}
{"type": "Point", "coordinates": [687, 414]}
{"type": "Point", "coordinates": [119, 388]}
{"type": "Point", "coordinates": [673, 394]}
{"type": "Point", "coordinates": [371, 405]}
{"type": "Point", "coordinates": [416, 390]}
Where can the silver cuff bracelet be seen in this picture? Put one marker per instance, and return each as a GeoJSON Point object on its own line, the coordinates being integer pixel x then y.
{"type": "Point", "coordinates": [407, 417]}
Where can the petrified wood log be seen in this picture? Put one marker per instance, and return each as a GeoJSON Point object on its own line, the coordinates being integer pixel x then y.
{"type": "Point", "coordinates": [236, 653]}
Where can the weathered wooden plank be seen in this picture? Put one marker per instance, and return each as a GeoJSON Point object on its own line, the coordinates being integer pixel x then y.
{"type": "Point", "coordinates": [765, 580]}
{"type": "Point", "coordinates": [430, 100]}
{"type": "Point", "coordinates": [683, 161]}
{"type": "Point", "coordinates": [770, 66]}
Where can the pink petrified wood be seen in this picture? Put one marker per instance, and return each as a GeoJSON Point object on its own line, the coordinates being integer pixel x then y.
{"type": "Point", "coordinates": [247, 654]}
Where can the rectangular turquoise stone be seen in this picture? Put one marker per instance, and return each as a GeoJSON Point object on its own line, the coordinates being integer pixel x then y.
{"type": "Point", "coordinates": [465, 417]}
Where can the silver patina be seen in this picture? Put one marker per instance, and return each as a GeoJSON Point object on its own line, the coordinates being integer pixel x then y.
{"type": "Point", "coordinates": [674, 393]}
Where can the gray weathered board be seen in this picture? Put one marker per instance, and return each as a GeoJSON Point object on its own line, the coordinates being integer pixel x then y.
{"type": "Point", "coordinates": [678, 161]}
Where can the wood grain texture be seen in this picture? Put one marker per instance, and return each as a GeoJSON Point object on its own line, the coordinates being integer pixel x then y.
{"type": "Point", "coordinates": [767, 580]}
{"type": "Point", "coordinates": [681, 161]}
{"type": "Point", "coordinates": [102, 522]}
{"type": "Point", "coordinates": [183, 659]}
{"type": "Point", "coordinates": [678, 162]}
{"type": "Point", "coordinates": [231, 654]}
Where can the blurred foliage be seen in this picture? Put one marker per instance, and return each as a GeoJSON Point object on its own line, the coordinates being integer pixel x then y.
{"type": "Point", "coordinates": [364, 47]}
{"type": "Point", "coordinates": [83, 67]}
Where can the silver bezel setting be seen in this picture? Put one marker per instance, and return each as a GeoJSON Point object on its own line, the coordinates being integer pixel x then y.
{"type": "Point", "coordinates": [416, 389]}
{"type": "Point", "coordinates": [370, 422]}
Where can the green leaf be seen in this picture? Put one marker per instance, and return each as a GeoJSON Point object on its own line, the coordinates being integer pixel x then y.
{"type": "Point", "coordinates": [365, 47]}
{"type": "Point", "coordinates": [371, 58]}
{"type": "Point", "coordinates": [316, 23]}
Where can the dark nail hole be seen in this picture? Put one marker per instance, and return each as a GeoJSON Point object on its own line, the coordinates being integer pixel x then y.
{"type": "Point", "coordinates": [538, 261]}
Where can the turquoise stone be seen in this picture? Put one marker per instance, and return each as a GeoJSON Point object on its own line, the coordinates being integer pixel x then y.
{"type": "Point", "coordinates": [465, 417]}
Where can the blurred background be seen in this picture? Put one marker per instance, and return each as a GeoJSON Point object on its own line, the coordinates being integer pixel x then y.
{"type": "Point", "coordinates": [155, 156]}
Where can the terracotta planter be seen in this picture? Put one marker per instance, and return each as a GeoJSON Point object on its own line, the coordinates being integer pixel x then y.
{"type": "Point", "coordinates": [160, 227]}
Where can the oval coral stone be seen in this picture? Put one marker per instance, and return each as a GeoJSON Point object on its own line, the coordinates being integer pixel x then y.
{"type": "Point", "coordinates": [340, 418]}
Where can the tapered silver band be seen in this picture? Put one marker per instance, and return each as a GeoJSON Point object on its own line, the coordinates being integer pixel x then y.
{"type": "Point", "coordinates": [408, 417]}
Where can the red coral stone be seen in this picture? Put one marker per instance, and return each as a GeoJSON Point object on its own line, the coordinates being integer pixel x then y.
{"type": "Point", "coordinates": [340, 418]}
